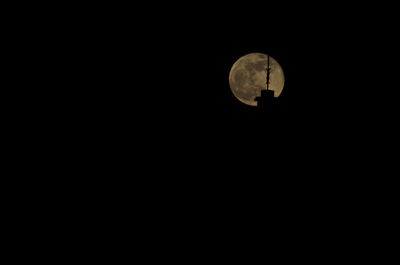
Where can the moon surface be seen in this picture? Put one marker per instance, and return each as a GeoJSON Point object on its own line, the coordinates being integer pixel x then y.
{"type": "Point", "coordinates": [248, 77]}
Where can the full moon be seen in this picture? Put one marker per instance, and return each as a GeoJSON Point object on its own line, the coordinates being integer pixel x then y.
{"type": "Point", "coordinates": [248, 77]}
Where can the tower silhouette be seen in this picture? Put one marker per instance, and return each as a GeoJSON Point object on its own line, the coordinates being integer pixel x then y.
{"type": "Point", "coordinates": [266, 99]}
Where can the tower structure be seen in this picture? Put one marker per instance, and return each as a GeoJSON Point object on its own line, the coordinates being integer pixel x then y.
{"type": "Point", "coordinates": [267, 95]}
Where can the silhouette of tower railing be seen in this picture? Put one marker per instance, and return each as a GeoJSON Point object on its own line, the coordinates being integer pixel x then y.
{"type": "Point", "coordinates": [267, 96]}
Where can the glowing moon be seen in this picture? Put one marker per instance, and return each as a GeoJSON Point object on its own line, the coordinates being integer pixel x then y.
{"type": "Point", "coordinates": [249, 74]}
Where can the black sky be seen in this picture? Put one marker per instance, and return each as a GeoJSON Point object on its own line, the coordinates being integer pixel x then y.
{"type": "Point", "coordinates": [167, 80]}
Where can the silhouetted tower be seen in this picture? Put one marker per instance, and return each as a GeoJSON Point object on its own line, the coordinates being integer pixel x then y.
{"type": "Point", "coordinates": [267, 96]}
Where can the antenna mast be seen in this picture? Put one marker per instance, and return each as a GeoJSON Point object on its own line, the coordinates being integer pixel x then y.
{"type": "Point", "coordinates": [268, 72]}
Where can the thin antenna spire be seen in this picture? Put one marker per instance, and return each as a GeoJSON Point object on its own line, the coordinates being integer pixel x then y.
{"type": "Point", "coordinates": [268, 72]}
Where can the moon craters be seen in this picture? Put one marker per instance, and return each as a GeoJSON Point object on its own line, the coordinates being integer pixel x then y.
{"type": "Point", "coordinates": [248, 77]}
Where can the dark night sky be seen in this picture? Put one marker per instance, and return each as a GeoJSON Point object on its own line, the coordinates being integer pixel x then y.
{"type": "Point", "coordinates": [139, 127]}
{"type": "Point", "coordinates": [168, 81]}
{"type": "Point", "coordinates": [148, 119]}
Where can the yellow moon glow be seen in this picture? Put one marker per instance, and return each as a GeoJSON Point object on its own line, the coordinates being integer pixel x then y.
{"type": "Point", "coordinates": [249, 74]}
